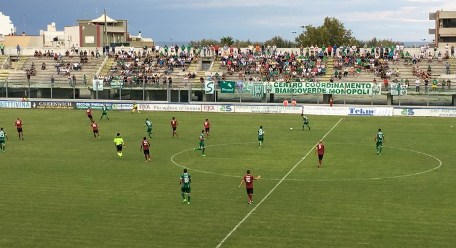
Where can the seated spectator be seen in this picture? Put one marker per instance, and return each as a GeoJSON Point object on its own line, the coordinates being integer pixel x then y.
{"type": "Point", "coordinates": [43, 66]}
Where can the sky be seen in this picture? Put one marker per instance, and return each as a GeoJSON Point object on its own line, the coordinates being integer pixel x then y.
{"type": "Point", "coordinates": [254, 20]}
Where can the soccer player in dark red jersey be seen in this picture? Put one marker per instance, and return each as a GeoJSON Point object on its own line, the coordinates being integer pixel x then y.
{"type": "Point", "coordinates": [94, 126]}
{"type": "Point", "coordinates": [248, 180]}
{"type": "Point", "coordinates": [18, 125]}
{"type": "Point", "coordinates": [145, 147]}
{"type": "Point", "coordinates": [174, 127]}
{"type": "Point", "coordinates": [89, 113]}
{"type": "Point", "coordinates": [320, 151]}
{"type": "Point", "coordinates": [207, 127]}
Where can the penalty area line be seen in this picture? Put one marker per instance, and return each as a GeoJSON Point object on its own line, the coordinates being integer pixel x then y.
{"type": "Point", "coordinates": [274, 188]}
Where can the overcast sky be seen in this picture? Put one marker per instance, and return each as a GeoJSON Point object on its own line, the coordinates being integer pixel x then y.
{"type": "Point", "coordinates": [255, 20]}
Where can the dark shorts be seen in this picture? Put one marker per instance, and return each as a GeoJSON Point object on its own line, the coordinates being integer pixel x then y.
{"type": "Point", "coordinates": [95, 131]}
{"type": "Point", "coordinates": [90, 116]}
{"type": "Point", "coordinates": [187, 190]}
{"type": "Point", "coordinates": [119, 148]}
{"type": "Point", "coordinates": [146, 152]}
{"type": "Point", "coordinates": [250, 191]}
{"type": "Point", "coordinates": [207, 130]}
{"type": "Point", "coordinates": [19, 130]}
{"type": "Point", "coordinates": [174, 128]}
{"type": "Point", "coordinates": [320, 157]}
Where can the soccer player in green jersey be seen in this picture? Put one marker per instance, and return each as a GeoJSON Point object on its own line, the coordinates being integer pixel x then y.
{"type": "Point", "coordinates": [260, 137]}
{"type": "Point", "coordinates": [3, 138]}
{"type": "Point", "coordinates": [149, 127]}
{"type": "Point", "coordinates": [104, 112]}
{"type": "Point", "coordinates": [185, 180]}
{"type": "Point", "coordinates": [379, 139]}
{"type": "Point", "coordinates": [202, 145]}
{"type": "Point", "coordinates": [305, 122]}
{"type": "Point", "coordinates": [119, 143]}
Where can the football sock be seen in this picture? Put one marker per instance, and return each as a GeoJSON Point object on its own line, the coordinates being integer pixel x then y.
{"type": "Point", "coordinates": [183, 195]}
{"type": "Point", "coordinates": [204, 150]}
{"type": "Point", "coordinates": [188, 199]}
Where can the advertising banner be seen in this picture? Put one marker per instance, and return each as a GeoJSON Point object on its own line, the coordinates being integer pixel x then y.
{"type": "Point", "coordinates": [227, 86]}
{"type": "Point", "coordinates": [94, 105]}
{"type": "Point", "coordinates": [15, 104]}
{"type": "Point", "coordinates": [116, 84]}
{"type": "Point", "coordinates": [209, 87]}
{"type": "Point", "coordinates": [433, 112]}
{"type": "Point", "coordinates": [398, 88]}
{"type": "Point", "coordinates": [170, 107]}
{"type": "Point", "coordinates": [339, 88]}
{"type": "Point", "coordinates": [97, 84]}
{"type": "Point", "coordinates": [324, 110]}
{"type": "Point", "coordinates": [122, 106]}
{"type": "Point", "coordinates": [218, 108]}
{"type": "Point", "coordinates": [52, 105]}
{"type": "Point", "coordinates": [257, 89]}
{"type": "Point", "coordinates": [268, 109]}
{"type": "Point", "coordinates": [370, 111]}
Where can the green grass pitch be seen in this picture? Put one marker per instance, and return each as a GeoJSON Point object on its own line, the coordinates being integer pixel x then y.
{"type": "Point", "coordinates": [62, 188]}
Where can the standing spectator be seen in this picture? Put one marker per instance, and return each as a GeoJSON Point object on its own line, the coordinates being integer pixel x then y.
{"type": "Point", "coordinates": [248, 180]}
{"type": "Point", "coordinates": [452, 51]}
{"type": "Point", "coordinates": [320, 151]}
{"type": "Point", "coordinates": [447, 67]}
{"type": "Point", "coordinates": [417, 85]}
{"type": "Point", "coordinates": [2, 48]}
{"type": "Point", "coordinates": [18, 49]}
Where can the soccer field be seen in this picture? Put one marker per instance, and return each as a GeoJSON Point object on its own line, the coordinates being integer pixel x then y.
{"type": "Point", "coordinates": [60, 187]}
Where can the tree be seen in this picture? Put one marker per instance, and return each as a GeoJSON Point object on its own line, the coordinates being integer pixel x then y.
{"type": "Point", "coordinates": [374, 42]}
{"type": "Point", "coordinates": [227, 40]}
{"type": "Point", "coordinates": [332, 32]}
{"type": "Point", "coordinates": [279, 42]}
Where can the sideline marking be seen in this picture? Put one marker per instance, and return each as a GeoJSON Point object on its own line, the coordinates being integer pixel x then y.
{"type": "Point", "coordinates": [273, 189]}
{"type": "Point", "coordinates": [320, 180]}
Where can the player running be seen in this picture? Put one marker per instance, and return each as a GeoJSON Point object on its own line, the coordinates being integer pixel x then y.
{"type": "Point", "coordinates": [207, 127]}
{"type": "Point", "coordinates": [104, 112]}
{"type": "Point", "coordinates": [89, 114]}
{"type": "Point", "coordinates": [260, 137]}
{"type": "Point", "coordinates": [305, 122]}
{"type": "Point", "coordinates": [320, 151]}
{"type": "Point", "coordinates": [94, 126]}
{"type": "Point", "coordinates": [185, 181]}
{"type": "Point", "coordinates": [149, 127]}
{"type": "Point", "coordinates": [3, 138]}
{"type": "Point", "coordinates": [145, 147]}
{"type": "Point", "coordinates": [135, 108]}
{"type": "Point", "coordinates": [18, 125]}
{"type": "Point", "coordinates": [379, 139]}
{"type": "Point", "coordinates": [119, 143]}
{"type": "Point", "coordinates": [174, 127]}
{"type": "Point", "coordinates": [202, 145]}
{"type": "Point", "coordinates": [248, 180]}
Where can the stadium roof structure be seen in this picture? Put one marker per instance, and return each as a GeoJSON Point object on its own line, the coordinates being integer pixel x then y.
{"type": "Point", "coordinates": [102, 19]}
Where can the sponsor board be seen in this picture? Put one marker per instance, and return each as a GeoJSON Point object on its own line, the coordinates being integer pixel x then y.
{"type": "Point", "coordinates": [15, 104]}
{"type": "Point", "coordinates": [52, 105]}
{"type": "Point", "coordinates": [227, 86]}
{"type": "Point", "coordinates": [170, 107]}
{"type": "Point", "coordinates": [430, 112]}
{"type": "Point", "coordinates": [369, 111]}
{"type": "Point", "coordinates": [209, 87]}
{"type": "Point", "coordinates": [268, 109]}
{"type": "Point", "coordinates": [218, 108]}
{"type": "Point", "coordinates": [339, 88]}
{"type": "Point", "coordinates": [97, 84]}
{"type": "Point", "coordinates": [122, 106]}
{"type": "Point", "coordinates": [94, 105]}
{"type": "Point", "coordinates": [324, 110]}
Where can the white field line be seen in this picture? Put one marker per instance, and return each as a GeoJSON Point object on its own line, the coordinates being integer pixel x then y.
{"type": "Point", "coordinates": [273, 189]}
